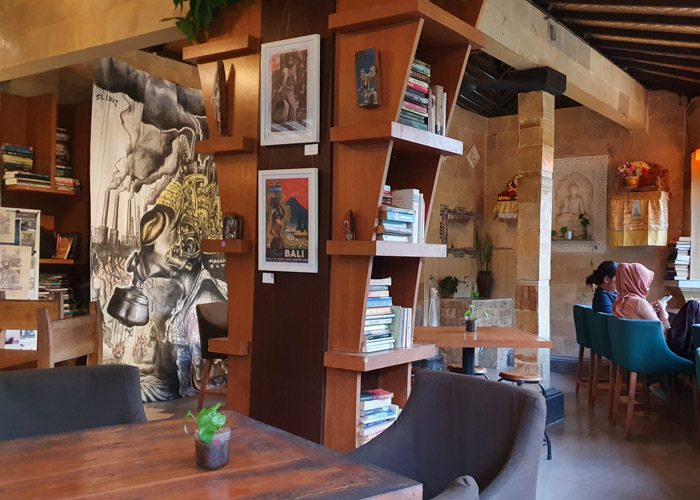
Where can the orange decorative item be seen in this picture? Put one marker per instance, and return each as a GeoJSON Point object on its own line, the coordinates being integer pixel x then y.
{"type": "Point", "coordinates": [631, 181]}
{"type": "Point", "coordinates": [506, 207]}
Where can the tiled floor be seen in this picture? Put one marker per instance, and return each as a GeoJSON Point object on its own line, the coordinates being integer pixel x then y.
{"type": "Point", "coordinates": [591, 459]}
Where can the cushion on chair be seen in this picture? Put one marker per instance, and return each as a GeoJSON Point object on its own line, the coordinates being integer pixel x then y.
{"type": "Point", "coordinates": [462, 488]}
{"type": "Point", "coordinates": [38, 402]}
{"type": "Point", "coordinates": [454, 425]}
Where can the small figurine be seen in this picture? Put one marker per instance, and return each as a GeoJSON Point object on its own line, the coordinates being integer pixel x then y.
{"type": "Point", "coordinates": [349, 226]}
{"type": "Point", "coordinates": [233, 227]}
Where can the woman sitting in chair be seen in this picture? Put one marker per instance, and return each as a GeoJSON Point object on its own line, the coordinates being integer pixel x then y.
{"type": "Point", "coordinates": [633, 282]}
{"type": "Point", "coordinates": [603, 279]}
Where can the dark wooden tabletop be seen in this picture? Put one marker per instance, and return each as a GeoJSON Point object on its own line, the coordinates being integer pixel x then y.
{"type": "Point", "coordinates": [156, 460]}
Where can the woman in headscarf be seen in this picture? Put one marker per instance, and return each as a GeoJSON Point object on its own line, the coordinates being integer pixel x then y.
{"type": "Point", "coordinates": [633, 283]}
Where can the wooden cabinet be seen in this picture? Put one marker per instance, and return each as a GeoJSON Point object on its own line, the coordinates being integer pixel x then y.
{"type": "Point", "coordinates": [371, 149]}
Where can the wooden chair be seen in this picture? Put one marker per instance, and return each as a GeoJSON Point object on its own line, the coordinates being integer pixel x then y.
{"type": "Point", "coordinates": [65, 339]}
{"type": "Point", "coordinates": [213, 323]}
{"type": "Point", "coordinates": [21, 315]}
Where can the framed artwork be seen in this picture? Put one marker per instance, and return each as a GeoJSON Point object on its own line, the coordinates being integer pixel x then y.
{"type": "Point", "coordinates": [289, 91]}
{"type": "Point", "coordinates": [367, 78]}
{"type": "Point", "coordinates": [288, 220]}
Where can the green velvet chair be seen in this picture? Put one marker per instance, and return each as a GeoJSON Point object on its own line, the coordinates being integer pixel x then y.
{"type": "Point", "coordinates": [583, 339]}
{"type": "Point", "coordinates": [600, 348]}
{"type": "Point", "coordinates": [640, 348]}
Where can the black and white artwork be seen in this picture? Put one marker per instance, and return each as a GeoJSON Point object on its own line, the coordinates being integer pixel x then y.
{"type": "Point", "coordinates": [153, 199]}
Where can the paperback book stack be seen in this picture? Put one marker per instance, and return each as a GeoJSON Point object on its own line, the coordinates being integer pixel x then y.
{"type": "Point", "coordinates": [378, 317]}
{"type": "Point", "coordinates": [64, 170]}
{"type": "Point", "coordinates": [678, 267]}
{"type": "Point", "coordinates": [17, 158]}
{"type": "Point", "coordinates": [386, 195]}
{"type": "Point", "coordinates": [416, 100]}
{"type": "Point", "coordinates": [63, 166]}
{"type": "Point", "coordinates": [376, 414]}
{"type": "Point", "coordinates": [58, 283]}
{"type": "Point", "coordinates": [412, 199]}
{"type": "Point", "coordinates": [22, 178]}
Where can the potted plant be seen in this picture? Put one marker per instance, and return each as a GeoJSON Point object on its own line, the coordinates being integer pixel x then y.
{"type": "Point", "coordinates": [211, 439]}
{"type": "Point", "coordinates": [448, 286]}
{"type": "Point", "coordinates": [631, 171]}
{"type": "Point", "coordinates": [470, 317]}
{"type": "Point", "coordinates": [195, 23]}
{"type": "Point", "coordinates": [484, 252]}
{"type": "Point", "coordinates": [585, 222]}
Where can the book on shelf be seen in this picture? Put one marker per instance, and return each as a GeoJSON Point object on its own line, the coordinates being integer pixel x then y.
{"type": "Point", "coordinates": [377, 413]}
{"type": "Point", "coordinates": [63, 246]}
{"type": "Point", "coordinates": [678, 263]}
{"type": "Point", "coordinates": [378, 293]}
{"type": "Point", "coordinates": [377, 334]}
{"type": "Point", "coordinates": [386, 195]}
{"type": "Point", "coordinates": [16, 158]}
{"type": "Point", "coordinates": [402, 327]}
{"type": "Point", "coordinates": [413, 200]}
{"type": "Point", "coordinates": [385, 283]}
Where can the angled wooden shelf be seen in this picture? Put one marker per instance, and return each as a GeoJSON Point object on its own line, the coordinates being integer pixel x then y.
{"type": "Point", "coordinates": [227, 246]}
{"type": "Point", "coordinates": [440, 28]}
{"type": "Point", "coordinates": [37, 189]}
{"type": "Point", "coordinates": [365, 362]}
{"type": "Point", "coordinates": [221, 48]}
{"type": "Point", "coordinates": [406, 139]}
{"type": "Point", "coordinates": [223, 145]}
{"type": "Point", "coordinates": [385, 249]}
{"type": "Point", "coordinates": [59, 262]}
{"type": "Point", "coordinates": [232, 347]}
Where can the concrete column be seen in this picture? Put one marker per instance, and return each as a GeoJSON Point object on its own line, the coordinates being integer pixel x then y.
{"type": "Point", "coordinates": [533, 236]}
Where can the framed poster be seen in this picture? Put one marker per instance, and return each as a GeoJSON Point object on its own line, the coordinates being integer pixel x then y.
{"type": "Point", "coordinates": [289, 91]}
{"type": "Point", "coordinates": [288, 220]}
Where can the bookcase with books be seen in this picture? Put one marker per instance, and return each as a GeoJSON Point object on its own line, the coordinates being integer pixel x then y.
{"type": "Point", "coordinates": [385, 169]}
{"type": "Point", "coordinates": [46, 160]}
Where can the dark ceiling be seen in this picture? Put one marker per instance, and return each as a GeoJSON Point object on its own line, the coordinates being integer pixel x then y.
{"type": "Point", "coordinates": [655, 41]}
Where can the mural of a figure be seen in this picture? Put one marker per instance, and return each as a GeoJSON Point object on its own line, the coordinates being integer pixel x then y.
{"type": "Point", "coordinates": [573, 196]}
{"type": "Point", "coordinates": [153, 200]}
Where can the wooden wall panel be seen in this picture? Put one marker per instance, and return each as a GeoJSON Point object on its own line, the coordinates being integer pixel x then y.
{"type": "Point", "coordinates": [290, 325]}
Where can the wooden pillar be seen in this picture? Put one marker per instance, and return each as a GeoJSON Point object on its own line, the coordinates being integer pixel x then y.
{"type": "Point", "coordinates": [533, 236]}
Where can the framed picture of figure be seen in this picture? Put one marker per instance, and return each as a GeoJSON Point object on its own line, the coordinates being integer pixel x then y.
{"type": "Point", "coordinates": [288, 220]}
{"type": "Point", "coordinates": [289, 91]}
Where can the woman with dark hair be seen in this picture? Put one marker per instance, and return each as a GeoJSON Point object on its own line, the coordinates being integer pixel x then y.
{"type": "Point", "coordinates": [603, 279]}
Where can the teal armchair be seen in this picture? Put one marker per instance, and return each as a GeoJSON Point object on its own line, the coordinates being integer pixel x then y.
{"type": "Point", "coordinates": [583, 339]}
{"type": "Point", "coordinates": [600, 348]}
{"type": "Point", "coordinates": [640, 348]}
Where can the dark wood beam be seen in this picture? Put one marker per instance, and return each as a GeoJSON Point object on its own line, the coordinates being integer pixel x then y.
{"type": "Point", "coordinates": [647, 57]}
{"type": "Point", "coordinates": [665, 82]}
{"type": "Point", "coordinates": [644, 45]}
{"type": "Point", "coordinates": [665, 70]}
{"type": "Point", "coordinates": [642, 35]}
{"type": "Point", "coordinates": [626, 3]}
{"type": "Point", "coordinates": [624, 17]}
{"type": "Point", "coordinates": [526, 80]}
{"type": "Point", "coordinates": [468, 104]}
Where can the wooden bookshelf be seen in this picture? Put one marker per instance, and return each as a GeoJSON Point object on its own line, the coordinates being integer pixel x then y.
{"type": "Point", "coordinates": [57, 262]}
{"type": "Point", "coordinates": [227, 246]}
{"type": "Point", "coordinates": [21, 188]}
{"type": "Point", "coordinates": [235, 156]}
{"type": "Point", "coordinates": [370, 149]}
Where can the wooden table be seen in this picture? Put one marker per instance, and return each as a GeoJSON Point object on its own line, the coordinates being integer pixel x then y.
{"type": "Point", "coordinates": [156, 460]}
{"type": "Point", "coordinates": [487, 336]}
{"type": "Point", "coordinates": [17, 358]}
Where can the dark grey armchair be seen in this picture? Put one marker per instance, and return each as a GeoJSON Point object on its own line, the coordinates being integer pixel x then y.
{"type": "Point", "coordinates": [38, 402]}
{"type": "Point", "coordinates": [460, 434]}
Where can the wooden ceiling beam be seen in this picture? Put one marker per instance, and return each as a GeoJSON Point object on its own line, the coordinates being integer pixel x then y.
{"type": "Point", "coordinates": [624, 18]}
{"type": "Point", "coordinates": [666, 82]}
{"type": "Point", "coordinates": [637, 55]}
{"type": "Point", "coordinates": [626, 3]}
{"type": "Point", "coordinates": [642, 35]}
{"type": "Point", "coordinates": [643, 45]}
{"type": "Point", "coordinates": [660, 69]}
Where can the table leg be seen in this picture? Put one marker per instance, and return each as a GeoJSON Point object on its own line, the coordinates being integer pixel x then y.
{"type": "Point", "coordinates": [468, 360]}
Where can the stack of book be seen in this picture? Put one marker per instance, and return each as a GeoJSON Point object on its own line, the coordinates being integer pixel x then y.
{"type": "Point", "coordinates": [386, 195]}
{"type": "Point", "coordinates": [424, 106]}
{"type": "Point", "coordinates": [17, 158]}
{"type": "Point", "coordinates": [416, 100]}
{"type": "Point", "coordinates": [67, 184]}
{"type": "Point", "coordinates": [52, 283]}
{"type": "Point", "coordinates": [678, 267]}
{"type": "Point", "coordinates": [403, 220]}
{"type": "Point", "coordinates": [376, 414]}
{"type": "Point", "coordinates": [402, 327]}
{"type": "Point", "coordinates": [378, 317]}
{"type": "Point", "coordinates": [63, 166]}
{"type": "Point", "coordinates": [22, 178]}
